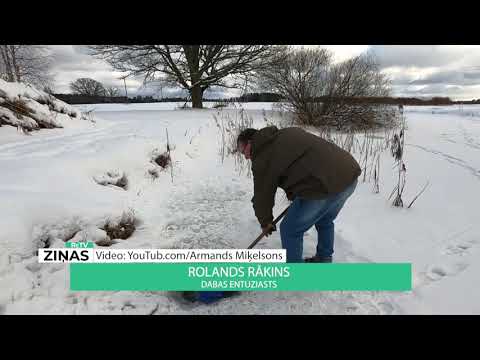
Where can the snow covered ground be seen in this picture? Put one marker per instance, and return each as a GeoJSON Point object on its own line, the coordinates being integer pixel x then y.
{"type": "Point", "coordinates": [48, 192]}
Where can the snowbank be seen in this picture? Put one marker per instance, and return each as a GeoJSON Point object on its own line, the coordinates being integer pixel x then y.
{"type": "Point", "coordinates": [23, 106]}
{"type": "Point", "coordinates": [203, 202]}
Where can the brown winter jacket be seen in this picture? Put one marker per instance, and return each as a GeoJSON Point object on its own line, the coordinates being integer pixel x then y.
{"type": "Point", "coordinates": [301, 164]}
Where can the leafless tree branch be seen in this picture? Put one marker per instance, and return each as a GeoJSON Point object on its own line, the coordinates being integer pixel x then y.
{"type": "Point", "coordinates": [318, 90]}
{"type": "Point", "coordinates": [26, 63]}
{"type": "Point", "coordinates": [194, 67]}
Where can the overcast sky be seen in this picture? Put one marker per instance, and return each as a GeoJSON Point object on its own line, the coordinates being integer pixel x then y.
{"type": "Point", "coordinates": [415, 70]}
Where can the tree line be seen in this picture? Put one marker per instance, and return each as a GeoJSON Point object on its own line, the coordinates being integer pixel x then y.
{"type": "Point", "coordinates": [263, 97]}
{"type": "Point", "coordinates": [97, 99]}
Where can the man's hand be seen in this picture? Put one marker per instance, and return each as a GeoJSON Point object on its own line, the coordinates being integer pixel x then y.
{"type": "Point", "coordinates": [268, 229]}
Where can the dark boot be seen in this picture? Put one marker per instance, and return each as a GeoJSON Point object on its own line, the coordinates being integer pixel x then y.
{"type": "Point", "coordinates": [207, 297]}
{"type": "Point", "coordinates": [190, 296]}
{"type": "Point", "coordinates": [318, 259]}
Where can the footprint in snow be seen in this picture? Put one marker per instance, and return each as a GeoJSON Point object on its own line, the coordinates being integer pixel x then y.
{"type": "Point", "coordinates": [460, 248]}
{"type": "Point", "coordinates": [436, 272]}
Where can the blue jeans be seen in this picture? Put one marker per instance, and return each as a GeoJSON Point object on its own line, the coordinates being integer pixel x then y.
{"type": "Point", "coordinates": [303, 214]}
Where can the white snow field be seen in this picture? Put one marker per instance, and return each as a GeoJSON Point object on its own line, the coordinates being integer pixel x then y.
{"type": "Point", "coordinates": [48, 193]}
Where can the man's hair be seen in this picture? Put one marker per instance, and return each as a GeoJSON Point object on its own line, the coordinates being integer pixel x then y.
{"type": "Point", "coordinates": [246, 135]}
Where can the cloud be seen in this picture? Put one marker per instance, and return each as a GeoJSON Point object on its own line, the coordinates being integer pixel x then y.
{"type": "Point", "coordinates": [72, 62]}
{"type": "Point", "coordinates": [453, 69]}
{"type": "Point", "coordinates": [340, 52]}
{"type": "Point", "coordinates": [450, 77]}
{"type": "Point", "coordinates": [441, 90]}
{"type": "Point", "coordinates": [345, 52]}
{"type": "Point", "coordinates": [419, 56]}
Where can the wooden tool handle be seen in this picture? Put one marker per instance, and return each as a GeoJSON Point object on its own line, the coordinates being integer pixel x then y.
{"type": "Point", "coordinates": [260, 237]}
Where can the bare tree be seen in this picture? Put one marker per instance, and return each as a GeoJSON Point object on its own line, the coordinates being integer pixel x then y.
{"type": "Point", "coordinates": [112, 91]}
{"type": "Point", "coordinates": [26, 63]}
{"type": "Point", "coordinates": [320, 92]}
{"type": "Point", "coordinates": [87, 86]}
{"type": "Point", "coordinates": [195, 68]}
{"type": "Point", "coordinates": [299, 76]}
{"type": "Point", "coordinates": [358, 77]}
{"type": "Point", "coordinates": [49, 89]}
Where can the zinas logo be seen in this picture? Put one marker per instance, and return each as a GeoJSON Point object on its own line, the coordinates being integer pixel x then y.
{"type": "Point", "coordinates": [64, 255]}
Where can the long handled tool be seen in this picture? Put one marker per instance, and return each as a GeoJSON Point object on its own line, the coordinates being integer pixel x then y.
{"type": "Point", "coordinates": [208, 297]}
{"type": "Point", "coordinates": [260, 237]}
